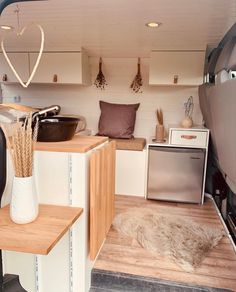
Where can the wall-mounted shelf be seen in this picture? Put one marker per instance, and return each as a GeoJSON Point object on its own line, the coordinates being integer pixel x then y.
{"type": "Point", "coordinates": [40, 236]}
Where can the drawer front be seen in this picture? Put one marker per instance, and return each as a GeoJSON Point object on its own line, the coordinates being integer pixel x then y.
{"type": "Point", "coordinates": [188, 138]}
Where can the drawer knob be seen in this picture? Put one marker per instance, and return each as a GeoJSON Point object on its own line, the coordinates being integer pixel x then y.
{"type": "Point", "coordinates": [188, 137]}
{"type": "Point", "coordinates": [4, 77]}
{"type": "Point", "coordinates": [176, 79]}
{"type": "Point", "coordinates": [55, 78]}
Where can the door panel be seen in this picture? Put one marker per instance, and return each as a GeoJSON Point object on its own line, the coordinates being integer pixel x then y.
{"type": "Point", "coordinates": [102, 194]}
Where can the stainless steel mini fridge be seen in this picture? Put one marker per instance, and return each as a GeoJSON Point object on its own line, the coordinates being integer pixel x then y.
{"type": "Point", "coordinates": [175, 174]}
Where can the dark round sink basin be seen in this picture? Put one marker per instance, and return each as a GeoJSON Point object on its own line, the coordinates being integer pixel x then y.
{"type": "Point", "coordinates": [56, 129]}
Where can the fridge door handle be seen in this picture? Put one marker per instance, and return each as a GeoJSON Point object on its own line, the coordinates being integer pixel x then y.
{"type": "Point", "coordinates": [177, 149]}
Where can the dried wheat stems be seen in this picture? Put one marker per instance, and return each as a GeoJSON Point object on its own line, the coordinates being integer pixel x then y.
{"type": "Point", "coordinates": [21, 146]}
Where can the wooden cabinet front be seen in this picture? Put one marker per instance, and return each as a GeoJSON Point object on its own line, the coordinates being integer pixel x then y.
{"type": "Point", "coordinates": [20, 62]}
{"type": "Point", "coordinates": [61, 67]}
{"type": "Point", "coordinates": [176, 68]}
{"type": "Point", "coordinates": [102, 192]}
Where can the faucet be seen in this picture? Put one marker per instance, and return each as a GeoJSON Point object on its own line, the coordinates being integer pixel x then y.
{"type": "Point", "coordinates": [53, 110]}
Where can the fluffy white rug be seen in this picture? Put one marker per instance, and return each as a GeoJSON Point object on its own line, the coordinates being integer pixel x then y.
{"type": "Point", "coordinates": [183, 241]}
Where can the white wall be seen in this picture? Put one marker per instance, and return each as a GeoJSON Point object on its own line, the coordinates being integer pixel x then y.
{"type": "Point", "coordinates": [119, 73]}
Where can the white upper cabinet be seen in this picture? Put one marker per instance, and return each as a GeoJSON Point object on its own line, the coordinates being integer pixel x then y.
{"type": "Point", "coordinates": [61, 67]}
{"type": "Point", "coordinates": [20, 62]}
{"type": "Point", "coordinates": [176, 68]}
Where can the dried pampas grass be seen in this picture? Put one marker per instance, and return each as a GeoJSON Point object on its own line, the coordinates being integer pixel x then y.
{"type": "Point", "coordinates": [21, 145]}
{"type": "Point", "coordinates": [160, 116]}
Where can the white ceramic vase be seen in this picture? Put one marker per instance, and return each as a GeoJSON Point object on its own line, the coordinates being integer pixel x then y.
{"type": "Point", "coordinates": [24, 201]}
{"type": "Point", "coordinates": [187, 122]}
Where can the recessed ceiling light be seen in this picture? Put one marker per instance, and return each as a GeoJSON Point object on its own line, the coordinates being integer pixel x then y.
{"type": "Point", "coordinates": [6, 27]}
{"type": "Point", "coordinates": [153, 24]}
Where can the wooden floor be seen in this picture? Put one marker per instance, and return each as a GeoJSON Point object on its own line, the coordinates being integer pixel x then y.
{"type": "Point", "coordinates": [122, 254]}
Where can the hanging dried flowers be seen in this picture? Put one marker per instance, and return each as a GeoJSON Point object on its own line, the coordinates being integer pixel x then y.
{"type": "Point", "coordinates": [137, 82]}
{"type": "Point", "coordinates": [100, 81]}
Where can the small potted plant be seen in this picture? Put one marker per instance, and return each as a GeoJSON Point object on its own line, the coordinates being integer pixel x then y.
{"type": "Point", "coordinates": [24, 201]}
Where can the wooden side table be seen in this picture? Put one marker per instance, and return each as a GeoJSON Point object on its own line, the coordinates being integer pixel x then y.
{"type": "Point", "coordinates": [38, 237]}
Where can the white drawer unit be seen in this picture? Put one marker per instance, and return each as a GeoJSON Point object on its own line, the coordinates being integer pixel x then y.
{"type": "Point", "coordinates": [189, 137]}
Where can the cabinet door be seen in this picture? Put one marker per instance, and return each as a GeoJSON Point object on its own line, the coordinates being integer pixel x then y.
{"type": "Point", "coordinates": [58, 68]}
{"type": "Point", "coordinates": [176, 68]}
{"type": "Point", "coordinates": [20, 61]}
{"type": "Point", "coordinates": [102, 192]}
{"type": "Point", "coordinates": [130, 172]}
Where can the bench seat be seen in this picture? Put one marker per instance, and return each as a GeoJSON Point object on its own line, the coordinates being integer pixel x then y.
{"type": "Point", "coordinates": [134, 144]}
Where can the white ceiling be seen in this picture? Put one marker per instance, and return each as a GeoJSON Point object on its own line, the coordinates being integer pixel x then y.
{"type": "Point", "coordinates": [116, 28]}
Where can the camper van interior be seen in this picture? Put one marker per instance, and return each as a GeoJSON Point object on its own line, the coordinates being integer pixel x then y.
{"type": "Point", "coordinates": [117, 145]}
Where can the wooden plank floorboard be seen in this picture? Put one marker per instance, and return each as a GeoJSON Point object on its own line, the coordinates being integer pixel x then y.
{"type": "Point", "coordinates": [225, 267]}
{"type": "Point", "coordinates": [123, 254]}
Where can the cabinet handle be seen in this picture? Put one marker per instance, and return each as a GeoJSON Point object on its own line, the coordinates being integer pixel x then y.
{"type": "Point", "coordinates": [176, 79]}
{"type": "Point", "coordinates": [4, 77]}
{"type": "Point", "coordinates": [55, 78]}
{"type": "Point", "coordinates": [189, 137]}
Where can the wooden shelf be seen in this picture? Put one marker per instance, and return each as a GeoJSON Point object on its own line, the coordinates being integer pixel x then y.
{"type": "Point", "coordinates": [40, 236]}
{"type": "Point", "coordinates": [79, 144]}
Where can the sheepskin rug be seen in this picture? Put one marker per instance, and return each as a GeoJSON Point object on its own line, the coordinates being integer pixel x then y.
{"type": "Point", "coordinates": [185, 242]}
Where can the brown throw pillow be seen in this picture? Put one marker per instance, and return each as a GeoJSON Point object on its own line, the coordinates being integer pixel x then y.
{"type": "Point", "coordinates": [117, 120]}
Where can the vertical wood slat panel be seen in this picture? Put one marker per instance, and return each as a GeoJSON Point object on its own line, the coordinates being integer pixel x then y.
{"type": "Point", "coordinates": [102, 195]}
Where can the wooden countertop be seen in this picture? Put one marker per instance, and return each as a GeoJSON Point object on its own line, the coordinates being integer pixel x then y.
{"type": "Point", "coordinates": [40, 236]}
{"type": "Point", "coordinates": [79, 144]}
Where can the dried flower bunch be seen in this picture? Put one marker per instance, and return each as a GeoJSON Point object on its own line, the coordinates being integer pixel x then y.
{"type": "Point", "coordinates": [21, 146]}
{"type": "Point", "coordinates": [189, 105]}
{"type": "Point", "coordinates": [160, 116]}
{"type": "Point", "coordinates": [137, 82]}
{"type": "Point", "coordinates": [100, 81]}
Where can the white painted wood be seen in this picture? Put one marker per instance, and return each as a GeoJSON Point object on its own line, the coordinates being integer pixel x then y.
{"type": "Point", "coordinates": [69, 67]}
{"type": "Point", "coordinates": [130, 172]}
{"type": "Point", "coordinates": [51, 175]}
{"type": "Point", "coordinates": [183, 137]}
{"type": "Point", "coordinates": [20, 61]}
{"type": "Point", "coordinates": [117, 28]}
{"type": "Point", "coordinates": [82, 266]}
{"type": "Point", "coordinates": [21, 264]}
{"type": "Point", "coordinates": [55, 268]}
{"type": "Point", "coordinates": [52, 181]}
{"type": "Point", "coordinates": [188, 66]}
{"type": "Point", "coordinates": [85, 68]}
